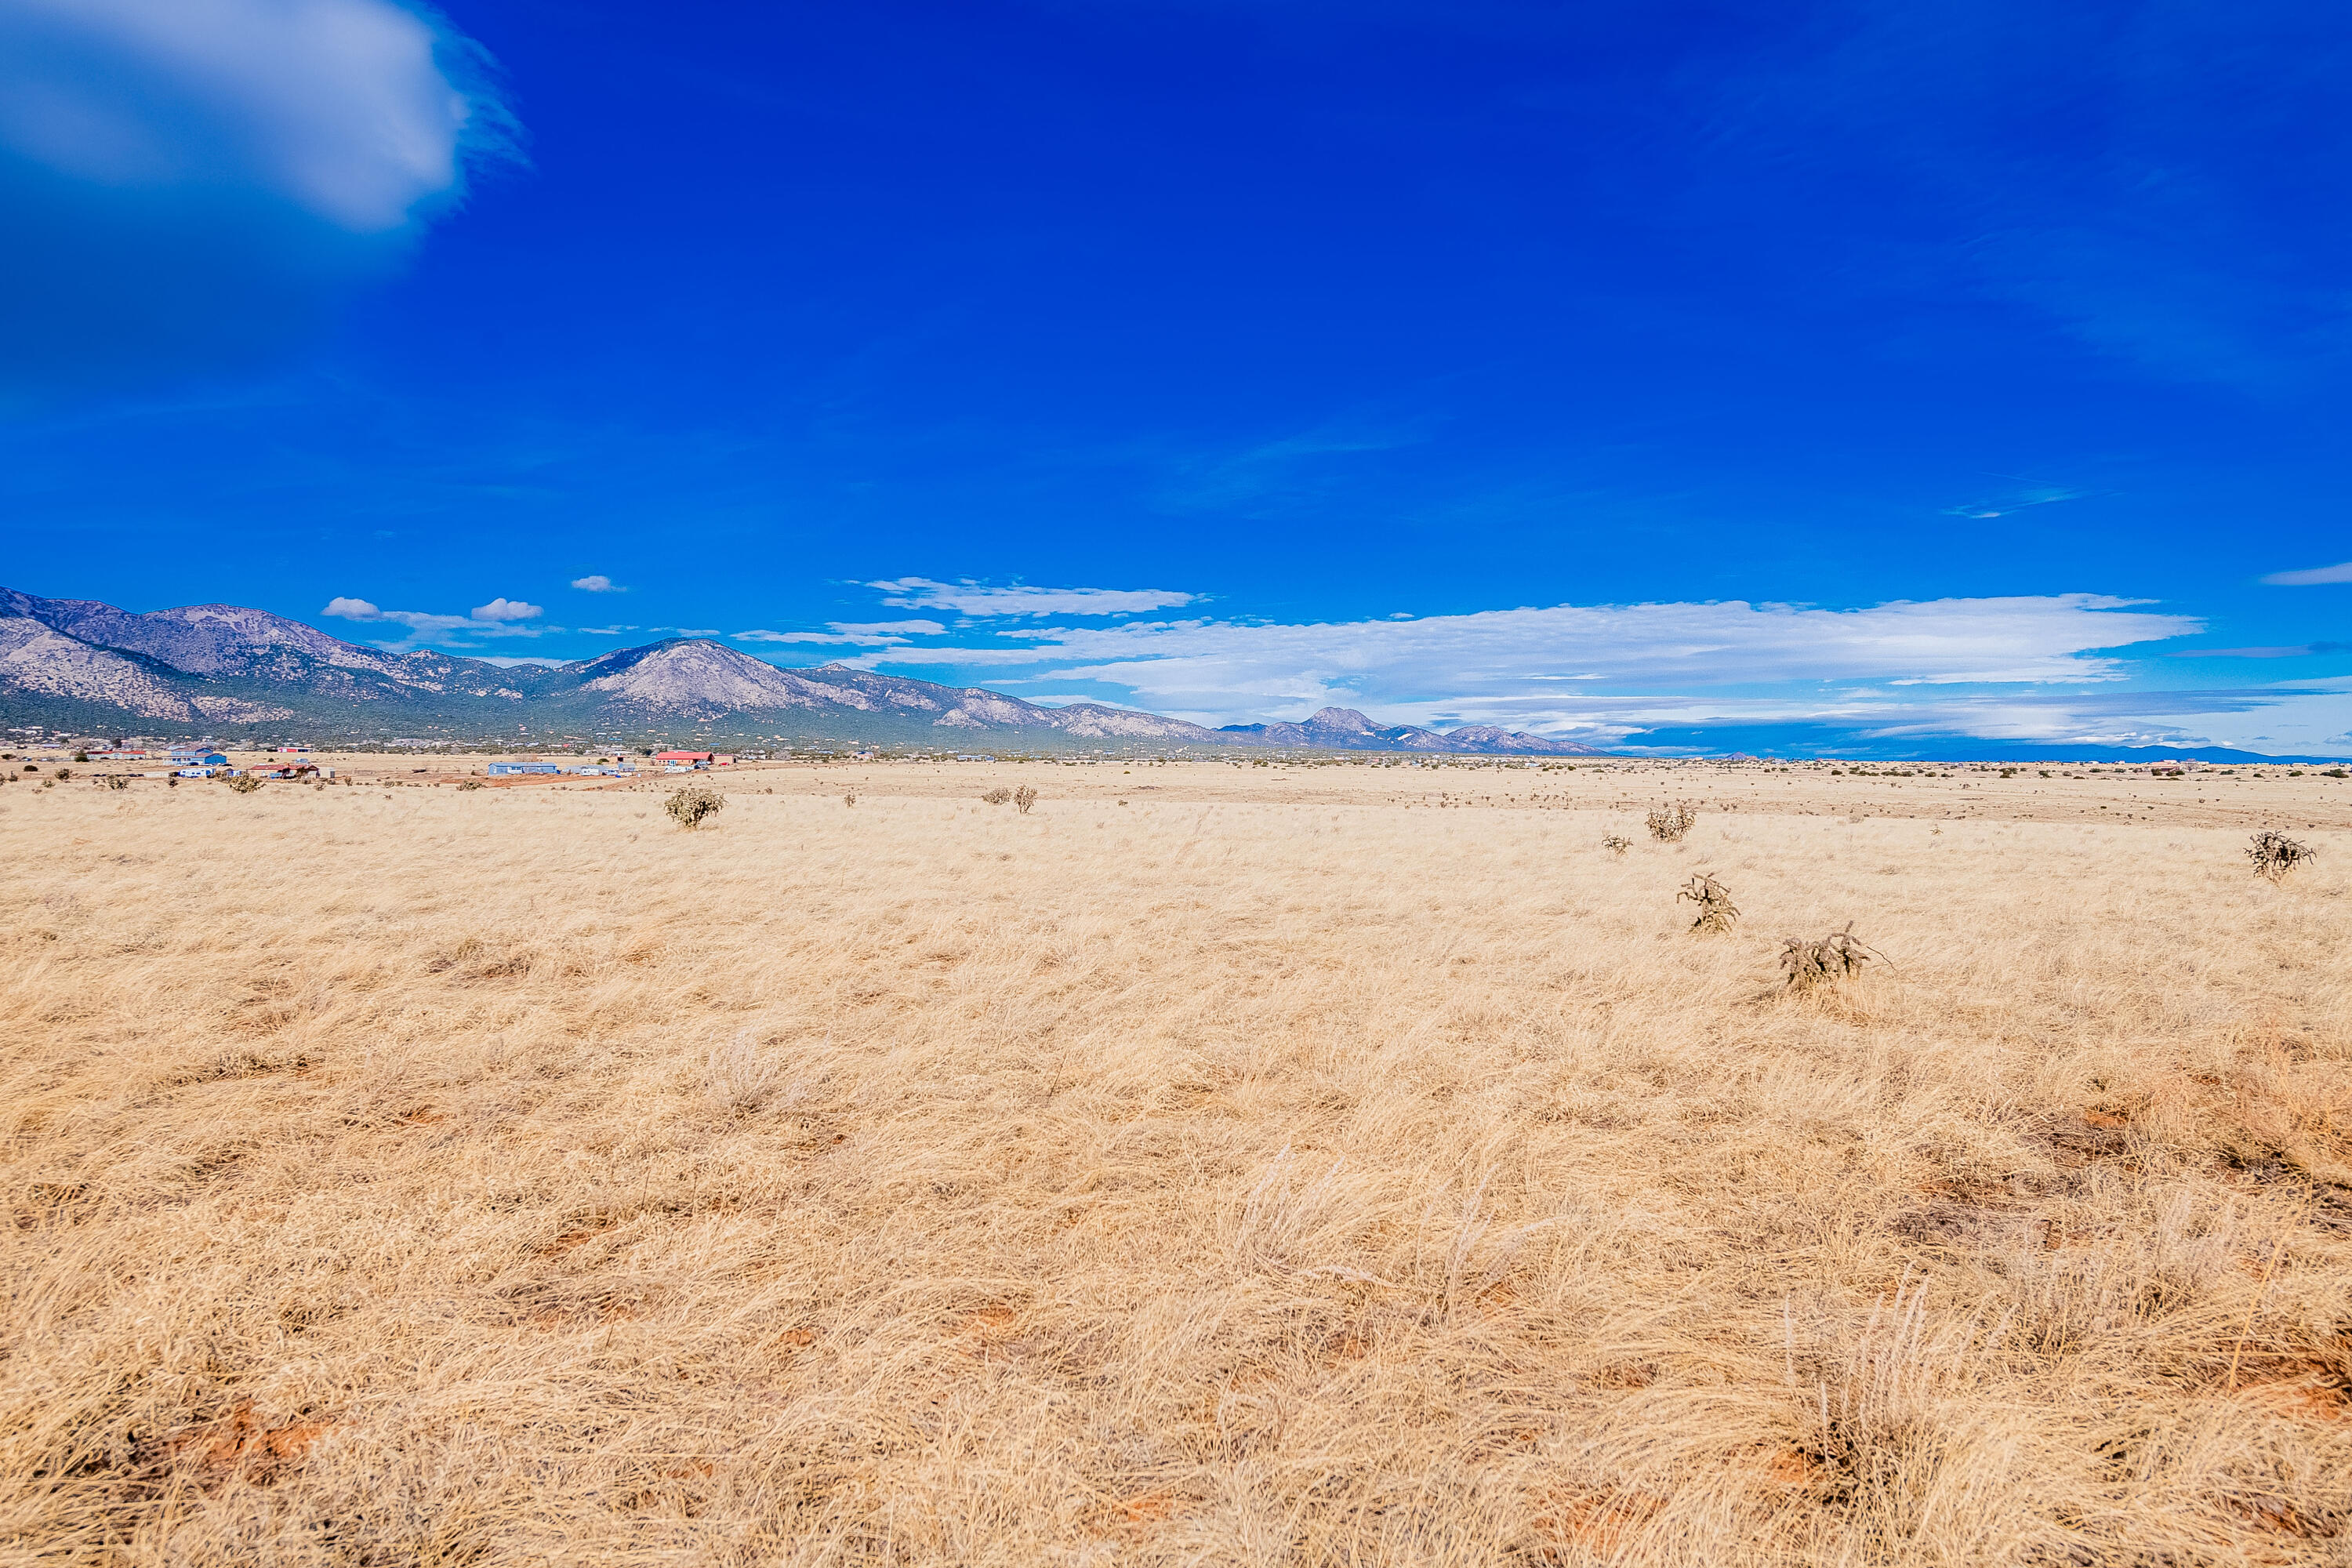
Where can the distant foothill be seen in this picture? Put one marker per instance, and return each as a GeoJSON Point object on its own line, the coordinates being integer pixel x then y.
{"type": "Point", "coordinates": [79, 665]}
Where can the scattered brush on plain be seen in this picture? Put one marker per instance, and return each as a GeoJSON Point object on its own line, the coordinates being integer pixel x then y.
{"type": "Point", "coordinates": [1266, 1173]}
{"type": "Point", "coordinates": [1615, 843]}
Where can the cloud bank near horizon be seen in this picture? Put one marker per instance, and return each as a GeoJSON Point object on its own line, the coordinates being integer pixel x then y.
{"type": "Point", "coordinates": [2029, 667]}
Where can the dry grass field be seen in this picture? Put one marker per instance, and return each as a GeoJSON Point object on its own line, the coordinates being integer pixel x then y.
{"type": "Point", "coordinates": [1298, 1166]}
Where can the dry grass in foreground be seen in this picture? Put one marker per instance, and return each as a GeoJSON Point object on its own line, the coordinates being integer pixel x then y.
{"type": "Point", "coordinates": [424, 1177]}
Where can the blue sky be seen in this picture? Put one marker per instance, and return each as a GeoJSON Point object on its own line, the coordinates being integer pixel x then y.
{"type": "Point", "coordinates": [1843, 375]}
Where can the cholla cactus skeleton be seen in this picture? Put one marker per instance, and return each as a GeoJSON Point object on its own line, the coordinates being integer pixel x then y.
{"type": "Point", "coordinates": [1668, 823]}
{"type": "Point", "coordinates": [1615, 843]}
{"type": "Point", "coordinates": [1716, 911]}
{"type": "Point", "coordinates": [1826, 959]}
{"type": "Point", "coordinates": [1024, 798]}
{"type": "Point", "coordinates": [695, 804]}
{"type": "Point", "coordinates": [2274, 854]}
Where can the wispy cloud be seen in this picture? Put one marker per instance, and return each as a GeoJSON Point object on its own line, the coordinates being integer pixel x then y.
{"type": "Point", "coordinates": [2296, 650]}
{"type": "Point", "coordinates": [2311, 576]}
{"type": "Point", "coordinates": [197, 168]}
{"type": "Point", "coordinates": [597, 582]}
{"type": "Point", "coordinates": [853, 634]}
{"type": "Point", "coordinates": [2016, 501]}
{"type": "Point", "coordinates": [980, 599]}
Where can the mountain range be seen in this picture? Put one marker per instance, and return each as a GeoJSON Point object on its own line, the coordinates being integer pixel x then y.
{"type": "Point", "coordinates": [92, 668]}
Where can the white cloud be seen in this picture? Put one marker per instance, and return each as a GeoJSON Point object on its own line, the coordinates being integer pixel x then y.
{"type": "Point", "coordinates": [969, 598]}
{"type": "Point", "coordinates": [495, 619]}
{"type": "Point", "coordinates": [597, 582]}
{"type": "Point", "coordinates": [889, 628]}
{"type": "Point", "coordinates": [2338, 573]}
{"type": "Point", "coordinates": [851, 634]}
{"type": "Point", "coordinates": [339, 106]}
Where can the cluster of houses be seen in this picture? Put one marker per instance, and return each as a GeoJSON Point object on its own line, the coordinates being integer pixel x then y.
{"type": "Point", "coordinates": [616, 767]}
{"type": "Point", "coordinates": [592, 770]}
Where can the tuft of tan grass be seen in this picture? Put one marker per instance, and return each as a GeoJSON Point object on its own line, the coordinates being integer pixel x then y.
{"type": "Point", "coordinates": [1245, 1175]}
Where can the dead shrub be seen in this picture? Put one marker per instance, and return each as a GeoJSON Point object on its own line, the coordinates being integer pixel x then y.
{"type": "Point", "coordinates": [1716, 911]}
{"type": "Point", "coordinates": [694, 806]}
{"type": "Point", "coordinates": [1615, 843]}
{"type": "Point", "coordinates": [849, 797]}
{"type": "Point", "coordinates": [2274, 854]}
{"type": "Point", "coordinates": [1826, 959]}
{"type": "Point", "coordinates": [996, 797]}
{"type": "Point", "coordinates": [1669, 822]}
{"type": "Point", "coordinates": [114, 781]}
{"type": "Point", "coordinates": [63, 775]}
{"type": "Point", "coordinates": [469, 783]}
{"type": "Point", "coordinates": [245, 784]}
{"type": "Point", "coordinates": [1024, 798]}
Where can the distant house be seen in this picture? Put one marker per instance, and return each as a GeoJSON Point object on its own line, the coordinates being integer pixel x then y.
{"type": "Point", "coordinates": [282, 770]}
{"type": "Point", "coordinates": [672, 761]}
{"type": "Point", "coordinates": [501, 770]}
{"type": "Point", "coordinates": [199, 759]}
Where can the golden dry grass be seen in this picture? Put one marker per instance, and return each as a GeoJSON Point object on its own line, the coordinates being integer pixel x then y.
{"type": "Point", "coordinates": [1265, 1169]}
